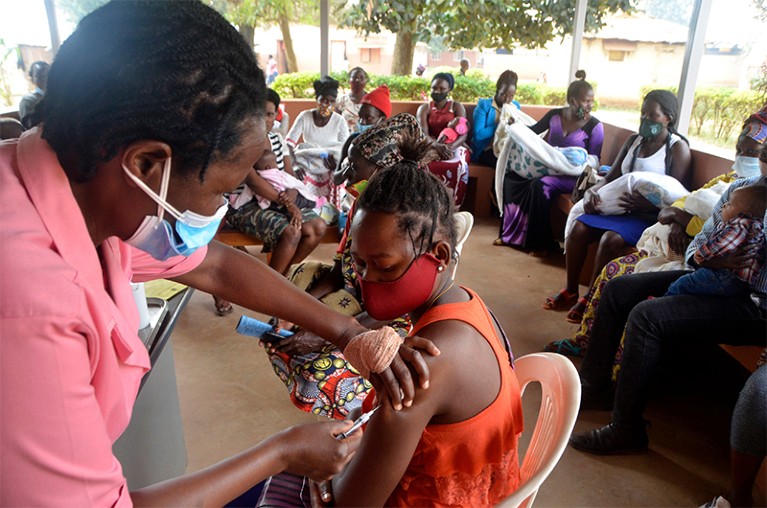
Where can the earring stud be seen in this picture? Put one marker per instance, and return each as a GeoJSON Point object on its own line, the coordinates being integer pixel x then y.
{"type": "Point", "coordinates": [439, 269]}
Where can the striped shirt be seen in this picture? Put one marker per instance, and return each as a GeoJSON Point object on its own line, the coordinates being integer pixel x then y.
{"type": "Point", "coordinates": [714, 223]}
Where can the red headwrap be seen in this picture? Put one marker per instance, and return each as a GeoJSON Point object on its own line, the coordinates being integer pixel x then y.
{"type": "Point", "coordinates": [379, 99]}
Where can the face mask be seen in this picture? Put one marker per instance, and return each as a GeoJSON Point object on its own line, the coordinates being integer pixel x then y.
{"type": "Point", "coordinates": [362, 128]}
{"type": "Point", "coordinates": [325, 111]}
{"type": "Point", "coordinates": [385, 301]}
{"type": "Point", "coordinates": [649, 129]}
{"type": "Point", "coordinates": [438, 97]}
{"type": "Point", "coordinates": [156, 237]}
{"type": "Point", "coordinates": [746, 167]}
{"type": "Point", "coordinates": [580, 113]}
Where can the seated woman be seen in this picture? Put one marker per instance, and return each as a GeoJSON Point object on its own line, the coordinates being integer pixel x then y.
{"type": "Point", "coordinates": [289, 234]}
{"type": "Point", "coordinates": [453, 167]}
{"type": "Point", "coordinates": [348, 105]}
{"type": "Point", "coordinates": [316, 373]}
{"type": "Point", "coordinates": [526, 202]}
{"type": "Point", "coordinates": [683, 226]}
{"type": "Point", "coordinates": [375, 107]}
{"type": "Point", "coordinates": [323, 131]}
{"type": "Point", "coordinates": [486, 116]}
{"type": "Point", "coordinates": [281, 117]}
{"type": "Point", "coordinates": [655, 149]}
{"type": "Point", "coordinates": [457, 445]}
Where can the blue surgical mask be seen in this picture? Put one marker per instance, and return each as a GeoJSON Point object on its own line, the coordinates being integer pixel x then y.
{"type": "Point", "coordinates": [156, 236]}
{"type": "Point", "coordinates": [363, 128]}
{"type": "Point", "coordinates": [746, 167]}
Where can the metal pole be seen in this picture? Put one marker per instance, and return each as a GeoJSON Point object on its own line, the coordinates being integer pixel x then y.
{"type": "Point", "coordinates": [580, 25]}
{"type": "Point", "coordinates": [324, 38]}
{"type": "Point", "coordinates": [693, 54]}
{"type": "Point", "coordinates": [53, 26]}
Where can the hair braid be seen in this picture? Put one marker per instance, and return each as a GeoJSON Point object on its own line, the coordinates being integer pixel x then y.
{"type": "Point", "coordinates": [173, 71]}
{"type": "Point", "coordinates": [421, 203]}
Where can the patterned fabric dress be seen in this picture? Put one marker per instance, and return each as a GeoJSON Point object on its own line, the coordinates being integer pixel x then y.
{"type": "Point", "coordinates": [454, 173]}
{"type": "Point", "coordinates": [324, 383]}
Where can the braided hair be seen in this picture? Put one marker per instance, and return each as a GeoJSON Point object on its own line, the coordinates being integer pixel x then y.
{"type": "Point", "coordinates": [174, 71]}
{"type": "Point", "coordinates": [417, 198]}
{"type": "Point", "coordinates": [669, 105]}
{"type": "Point", "coordinates": [579, 86]}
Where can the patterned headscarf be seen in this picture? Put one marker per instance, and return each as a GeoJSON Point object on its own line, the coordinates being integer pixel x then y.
{"type": "Point", "coordinates": [756, 126]}
{"type": "Point", "coordinates": [380, 144]}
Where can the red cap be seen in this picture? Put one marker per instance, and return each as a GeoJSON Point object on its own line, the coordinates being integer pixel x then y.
{"type": "Point", "coordinates": [379, 98]}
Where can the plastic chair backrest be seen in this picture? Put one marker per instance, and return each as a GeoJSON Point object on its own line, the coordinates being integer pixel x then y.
{"type": "Point", "coordinates": [464, 221]}
{"type": "Point", "coordinates": [560, 400]}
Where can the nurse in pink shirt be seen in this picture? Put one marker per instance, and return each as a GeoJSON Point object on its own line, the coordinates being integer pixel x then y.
{"type": "Point", "coordinates": [153, 111]}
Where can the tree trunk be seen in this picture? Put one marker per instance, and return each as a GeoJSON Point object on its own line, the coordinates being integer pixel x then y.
{"type": "Point", "coordinates": [404, 47]}
{"type": "Point", "coordinates": [247, 32]}
{"type": "Point", "coordinates": [290, 55]}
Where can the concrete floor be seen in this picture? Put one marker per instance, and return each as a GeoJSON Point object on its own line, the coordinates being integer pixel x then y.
{"type": "Point", "coordinates": [230, 399]}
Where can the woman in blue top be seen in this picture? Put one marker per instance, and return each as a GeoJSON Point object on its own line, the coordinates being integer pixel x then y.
{"type": "Point", "coordinates": [486, 116]}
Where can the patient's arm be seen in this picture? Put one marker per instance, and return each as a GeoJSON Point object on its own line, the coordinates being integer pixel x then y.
{"type": "Point", "coordinates": [391, 437]}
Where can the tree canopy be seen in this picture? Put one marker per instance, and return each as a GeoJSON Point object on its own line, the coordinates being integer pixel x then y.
{"type": "Point", "coordinates": [479, 24]}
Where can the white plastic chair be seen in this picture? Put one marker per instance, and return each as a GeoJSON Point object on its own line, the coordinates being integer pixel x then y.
{"type": "Point", "coordinates": [464, 221]}
{"type": "Point", "coordinates": [561, 397]}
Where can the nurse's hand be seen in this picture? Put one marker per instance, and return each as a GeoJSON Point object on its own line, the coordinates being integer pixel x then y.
{"type": "Point", "coordinates": [312, 450]}
{"type": "Point", "coordinates": [397, 380]}
{"type": "Point", "coordinates": [301, 343]}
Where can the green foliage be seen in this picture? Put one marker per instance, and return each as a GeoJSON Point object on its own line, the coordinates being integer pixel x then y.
{"type": "Point", "coordinates": [267, 12]}
{"type": "Point", "coordinates": [486, 23]}
{"type": "Point", "coordinates": [759, 84]}
{"type": "Point", "coordinates": [529, 93]}
{"type": "Point", "coordinates": [6, 95]}
{"type": "Point", "coordinates": [467, 89]}
{"type": "Point", "coordinates": [676, 11]}
{"type": "Point", "coordinates": [718, 113]}
{"type": "Point", "coordinates": [76, 10]}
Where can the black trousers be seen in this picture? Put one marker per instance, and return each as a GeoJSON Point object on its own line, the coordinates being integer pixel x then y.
{"type": "Point", "coordinates": [655, 324]}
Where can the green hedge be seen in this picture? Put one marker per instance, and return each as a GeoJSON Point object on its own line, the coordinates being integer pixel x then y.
{"type": "Point", "coordinates": [718, 113]}
{"type": "Point", "coordinates": [412, 88]}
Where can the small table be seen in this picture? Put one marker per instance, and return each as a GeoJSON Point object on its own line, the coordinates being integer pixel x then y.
{"type": "Point", "coordinates": [152, 448]}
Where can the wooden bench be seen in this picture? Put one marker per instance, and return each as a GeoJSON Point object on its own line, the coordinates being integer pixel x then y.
{"type": "Point", "coordinates": [230, 236]}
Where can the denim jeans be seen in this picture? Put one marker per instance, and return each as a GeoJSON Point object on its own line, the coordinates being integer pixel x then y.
{"type": "Point", "coordinates": [705, 281]}
{"type": "Point", "coordinates": [651, 326]}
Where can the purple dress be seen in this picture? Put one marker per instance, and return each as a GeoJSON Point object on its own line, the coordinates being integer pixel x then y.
{"type": "Point", "coordinates": [526, 202]}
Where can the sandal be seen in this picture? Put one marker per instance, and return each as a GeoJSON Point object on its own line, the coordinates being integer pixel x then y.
{"type": "Point", "coordinates": [561, 300]}
{"type": "Point", "coordinates": [566, 347]}
{"type": "Point", "coordinates": [499, 242]}
{"type": "Point", "coordinates": [222, 306]}
{"type": "Point", "coordinates": [575, 314]}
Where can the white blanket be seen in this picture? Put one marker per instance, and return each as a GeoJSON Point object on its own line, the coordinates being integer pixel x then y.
{"type": "Point", "coordinates": [308, 157]}
{"type": "Point", "coordinates": [654, 240]}
{"type": "Point", "coordinates": [660, 190]}
{"type": "Point", "coordinates": [530, 156]}
{"type": "Point", "coordinates": [501, 134]}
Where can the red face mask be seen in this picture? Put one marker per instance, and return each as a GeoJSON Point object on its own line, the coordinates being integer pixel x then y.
{"type": "Point", "coordinates": [385, 301]}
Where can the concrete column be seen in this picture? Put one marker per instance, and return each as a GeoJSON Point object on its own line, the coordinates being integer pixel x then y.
{"type": "Point", "coordinates": [693, 54]}
{"type": "Point", "coordinates": [324, 38]}
{"type": "Point", "coordinates": [580, 24]}
{"type": "Point", "coordinates": [53, 26]}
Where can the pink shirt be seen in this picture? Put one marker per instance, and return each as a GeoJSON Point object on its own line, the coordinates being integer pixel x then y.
{"type": "Point", "coordinates": [70, 357]}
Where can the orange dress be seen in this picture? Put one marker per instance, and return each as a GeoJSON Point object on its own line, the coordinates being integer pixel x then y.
{"type": "Point", "coordinates": [473, 462]}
